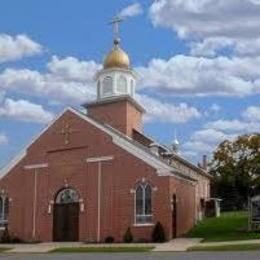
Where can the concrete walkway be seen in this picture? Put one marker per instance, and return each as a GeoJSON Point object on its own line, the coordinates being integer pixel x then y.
{"type": "Point", "coordinates": [177, 245]}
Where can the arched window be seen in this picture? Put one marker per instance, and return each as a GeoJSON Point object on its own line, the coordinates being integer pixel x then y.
{"type": "Point", "coordinates": [143, 204]}
{"type": "Point", "coordinates": [107, 86]}
{"type": "Point", "coordinates": [4, 210]}
{"type": "Point", "coordinates": [67, 196]}
{"type": "Point", "coordinates": [122, 85]}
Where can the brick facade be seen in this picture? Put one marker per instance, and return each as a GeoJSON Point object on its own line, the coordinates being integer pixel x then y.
{"type": "Point", "coordinates": [67, 167]}
{"type": "Point", "coordinates": [124, 114]}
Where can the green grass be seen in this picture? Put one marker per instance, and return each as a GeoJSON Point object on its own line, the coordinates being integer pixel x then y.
{"type": "Point", "coordinates": [230, 226]}
{"type": "Point", "coordinates": [242, 247]}
{"type": "Point", "coordinates": [3, 249]}
{"type": "Point", "coordinates": [102, 250]}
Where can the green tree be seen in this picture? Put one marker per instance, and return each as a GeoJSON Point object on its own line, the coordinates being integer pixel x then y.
{"type": "Point", "coordinates": [236, 171]}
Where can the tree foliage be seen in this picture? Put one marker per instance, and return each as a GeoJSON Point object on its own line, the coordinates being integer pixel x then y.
{"type": "Point", "coordinates": [236, 170]}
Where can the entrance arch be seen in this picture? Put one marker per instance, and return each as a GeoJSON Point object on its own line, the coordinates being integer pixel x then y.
{"type": "Point", "coordinates": [66, 216]}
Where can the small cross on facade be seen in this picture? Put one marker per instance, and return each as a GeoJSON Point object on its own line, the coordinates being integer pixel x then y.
{"type": "Point", "coordinates": [66, 131]}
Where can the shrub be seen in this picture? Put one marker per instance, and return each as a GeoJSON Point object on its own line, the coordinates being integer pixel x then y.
{"type": "Point", "coordinates": [16, 240]}
{"type": "Point", "coordinates": [6, 238]}
{"type": "Point", "coordinates": [158, 235]}
{"type": "Point", "coordinates": [143, 240]}
{"type": "Point", "coordinates": [109, 240]}
{"type": "Point", "coordinates": [128, 237]}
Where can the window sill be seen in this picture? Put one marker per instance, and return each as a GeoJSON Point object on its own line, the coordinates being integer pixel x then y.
{"type": "Point", "coordinates": [143, 225]}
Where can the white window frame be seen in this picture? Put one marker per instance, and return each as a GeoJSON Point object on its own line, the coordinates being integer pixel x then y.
{"type": "Point", "coordinates": [4, 215]}
{"type": "Point", "coordinates": [147, 216]}
{"type": "Point", "coordinates": [122, 89]}
{"type": "Point", "coordinates": [107, 90]}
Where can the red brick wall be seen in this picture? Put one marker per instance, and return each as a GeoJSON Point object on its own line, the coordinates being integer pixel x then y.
{"type": "Point", "coordinates": [67, 164]}
{"type": "Point", "coordinates": [122, 115]}
{"type": "Point", "coordinates": [186, 211]}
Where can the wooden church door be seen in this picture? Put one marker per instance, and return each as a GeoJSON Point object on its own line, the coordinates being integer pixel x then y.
{"type": "Point", "coordinates": [66, 216]}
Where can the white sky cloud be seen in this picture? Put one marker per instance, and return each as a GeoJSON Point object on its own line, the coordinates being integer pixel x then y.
{"type": "Point", "coordinates": [252, 113]}
{"type": "Point", "coordinates": [67, 80]}
{"type": "Point", "coordinates": [212, 24]}
{"type": "Point", "coordinates": [23, 110]}
{"type": "Point", "coordinates": [158, 111]}
{"type": "Point", "coordinates": [236, 126]}
{"type": "Point", "coordinates": [131, 10]}
{"type": "Point", "coordinates": [71, 81]}
{"type": "Point", "coordinates": [205, 140]}
{"type": "Point", "coordinates": [16, 47]}
{"type": "Point", "coordinates": [188, 75]}
{"type": "Point", "coordinates": [3, 139]}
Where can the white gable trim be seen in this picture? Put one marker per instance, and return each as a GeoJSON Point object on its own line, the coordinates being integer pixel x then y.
{"type": "Point", "coordinates": [162, 168]}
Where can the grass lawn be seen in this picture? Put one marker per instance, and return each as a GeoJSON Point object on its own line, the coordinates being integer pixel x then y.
{"type": "Point", "coordinates": [102, 250]}
{"type": "Point", "coordinates": [230, 226]}
{"type": "Point", "coordinates": [242, 247]}
{"type": "Point", "coordinates": [3, 249]}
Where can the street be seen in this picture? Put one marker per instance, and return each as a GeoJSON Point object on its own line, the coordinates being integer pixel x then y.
{"type": "Point", "coordinates": [252, 255]}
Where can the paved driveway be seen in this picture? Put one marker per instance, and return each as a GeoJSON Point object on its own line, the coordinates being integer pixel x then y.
{"type": "Point", "coordinates": [252, 255]}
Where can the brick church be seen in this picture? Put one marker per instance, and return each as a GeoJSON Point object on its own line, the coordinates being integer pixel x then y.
{"type": "Point", "coordinates": [92, 175]}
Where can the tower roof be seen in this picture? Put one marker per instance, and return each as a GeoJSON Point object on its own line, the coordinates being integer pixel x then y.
{"type": "Point", "coordinates": [117, 57]}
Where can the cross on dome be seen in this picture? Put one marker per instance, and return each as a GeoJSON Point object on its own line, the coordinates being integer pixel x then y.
{"type": "Point", "coordinates": [116, 22]}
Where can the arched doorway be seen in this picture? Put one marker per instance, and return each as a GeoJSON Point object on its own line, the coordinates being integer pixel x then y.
{"type": "Point", "coordinates": [66, 216]}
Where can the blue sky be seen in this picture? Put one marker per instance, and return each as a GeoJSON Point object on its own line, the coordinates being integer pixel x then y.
{"type": "Point", "coordinates": [199, 66]}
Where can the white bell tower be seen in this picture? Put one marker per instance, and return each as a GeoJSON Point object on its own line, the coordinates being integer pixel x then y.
{"type": "Point", "coordinates": [116, 78]}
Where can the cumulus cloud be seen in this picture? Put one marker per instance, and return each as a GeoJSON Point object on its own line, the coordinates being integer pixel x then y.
{"type": "Point", "coordinates": [16, 47]}
{"type": "Point", "coordinates": [252, 113]}
{"type": "Point", "coordinates": [203, 76]}
{"type": "Point", "coordinates": [3, 139]}
{"type": "Point", "coordinates": [212, 25]}
{"type": "Point", "coordinates": [23, 110]}
{"type": "Point", "coordinates": [67, 80]}
{"type": "Point", "coordinates": [71, 81]}
{"type": "Point", "coordinates": [131, 10]}
{"type": "Point", "coordinates": [237, 126]}
{"type": "Point", "coordinates": [205, 140]}
{"type": "Point", "coordinates": [158, 111]}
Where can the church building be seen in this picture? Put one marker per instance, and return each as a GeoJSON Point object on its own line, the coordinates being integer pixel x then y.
{"type": "Point", "coordinates": [92, 175]}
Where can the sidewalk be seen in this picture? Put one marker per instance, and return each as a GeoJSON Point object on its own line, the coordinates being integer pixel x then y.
{"type": "Point", "coordinates": [177, 245]}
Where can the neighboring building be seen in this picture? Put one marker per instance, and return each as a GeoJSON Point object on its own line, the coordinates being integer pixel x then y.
{"type": "Point", "coordinates": [90, 176]}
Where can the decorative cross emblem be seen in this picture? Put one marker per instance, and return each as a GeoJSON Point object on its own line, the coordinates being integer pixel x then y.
{"type": "Point", "coordinates": [66, 131]}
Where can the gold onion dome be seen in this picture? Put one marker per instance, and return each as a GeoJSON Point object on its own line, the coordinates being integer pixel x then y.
{"type": "Point", "coordinates": [117, 58]}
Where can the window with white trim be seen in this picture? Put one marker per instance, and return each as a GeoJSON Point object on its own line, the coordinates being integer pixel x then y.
{"type": "Point", "coordinates": [107, 86]}
{"type": "Point", "coordinates": [132, 88]}
{"type": "Point", "coordinates": [143, 204]}
{"type": "Point", "coordinates": [122, 85]}
{"type": "Point", "coordinates": [4, 210]}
